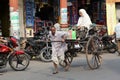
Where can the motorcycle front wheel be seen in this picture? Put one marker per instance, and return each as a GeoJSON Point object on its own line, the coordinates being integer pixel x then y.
{"type": "Point", "coordinates": [19, 62]}
{"type": "Point", "coordinates": [45, 54]}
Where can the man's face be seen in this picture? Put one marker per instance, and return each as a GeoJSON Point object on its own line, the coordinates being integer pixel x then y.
{"type": "Point", "coordinates": [53, 30]}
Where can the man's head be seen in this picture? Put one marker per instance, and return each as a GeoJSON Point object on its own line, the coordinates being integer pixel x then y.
{"type": "Point", "coordinates": [53, 30]}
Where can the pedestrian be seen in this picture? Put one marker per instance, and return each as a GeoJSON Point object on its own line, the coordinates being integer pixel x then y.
{"type": "Point", "coordinates": [58, 48]}
{"type": "Point", "coordinates": [2, 40]}
{"type": "Point", "coordinates": [57, 26]}
{"type": "Point", "coordinates": [84, 19]}
{"type": "Point", "coordinates": [39, 32]}
{"type": "Point", "coordinates": [117, 33]}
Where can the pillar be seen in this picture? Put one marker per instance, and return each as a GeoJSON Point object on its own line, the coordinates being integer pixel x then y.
{"type": "Point", "coordinates": [21, 18]}
{"type": "Point", "coordinates": [110, 16]}
{"type": "Point", "coordinates": [14, 19]}
{"type": "Point", "coordinates": [63, 14]}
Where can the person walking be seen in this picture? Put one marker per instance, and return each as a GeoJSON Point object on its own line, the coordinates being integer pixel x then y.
{"type": "Point", "coordinates": [2, 40]}
{"type": "Point", "coordinates": [117, 34]}
{"type": "Point", "coordinates": [58, 47]}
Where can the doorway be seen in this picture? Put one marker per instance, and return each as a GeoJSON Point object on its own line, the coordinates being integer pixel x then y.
{"type": "Point", "coordinates": [117, 11]}
{"type": "Point", "coordinates": [4, 18]}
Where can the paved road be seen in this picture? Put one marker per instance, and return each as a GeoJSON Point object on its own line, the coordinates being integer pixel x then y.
{"type": "Point", "coordinates": [37, 70]}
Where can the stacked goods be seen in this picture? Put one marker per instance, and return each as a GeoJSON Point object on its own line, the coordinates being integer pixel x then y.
{"type": "Point", "coordinates": [71, 34]}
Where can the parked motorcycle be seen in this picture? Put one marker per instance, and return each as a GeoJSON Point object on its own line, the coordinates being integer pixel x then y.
{"type": "Point", "coordinates": [107, 41]}
{"type": "Point", "coordinates": [108, 44]}
{"type": "Point", "coordinates": [39, 48]}
{"type": "Point", "coordinates": [18, 59]}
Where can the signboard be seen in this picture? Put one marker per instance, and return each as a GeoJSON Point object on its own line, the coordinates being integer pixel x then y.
{"type": "Point", "coordinates": [14, 17]}
{"type": "Point", "coordinates": [63, 15]}
{"type": "Point", "coordinates": [29, 32]}
{"type": "Point", "coordinates": [29, 5]}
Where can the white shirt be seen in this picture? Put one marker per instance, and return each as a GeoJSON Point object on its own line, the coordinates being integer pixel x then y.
{"type": "Point", "coordinates": [57, 37]}
{"type": "Point", "coordinates": [58, 48]}
{"type": "Point", "coordinates": [117, 31]}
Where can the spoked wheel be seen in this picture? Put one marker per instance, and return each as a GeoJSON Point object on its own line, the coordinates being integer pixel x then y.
{"type": "Point", "coordinates": [45, 54]}
{"type": "Point", "coordinates": [19, 62]}
{"type": "Point", "coordinates": [68, 59]}
{"type": "Point", "coordinates": [93, 51]}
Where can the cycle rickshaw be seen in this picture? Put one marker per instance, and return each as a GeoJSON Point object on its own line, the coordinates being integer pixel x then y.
{"type": "Point", "coordinates": [90, 42]}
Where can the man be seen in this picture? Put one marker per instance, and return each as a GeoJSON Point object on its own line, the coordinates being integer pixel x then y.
{"type": "Point", "coordinates": [58, 47]}
{"type": "Point", "coordinates": [117, 32]}
{"type": "Point", "coordinates": [39, 32]}
{"type": "Point", "coordinates": [57, 26]}
{"type": "Point", "coordinates": [2, 40]}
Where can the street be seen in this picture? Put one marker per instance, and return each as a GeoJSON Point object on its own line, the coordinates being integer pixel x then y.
{"type": "Point", "coordinates": [38, 70]}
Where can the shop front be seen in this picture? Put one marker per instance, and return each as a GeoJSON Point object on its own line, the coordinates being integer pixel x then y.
{"type": "Point", "coordinates": [102, 12]}
{"type": "Point", "coordinates": [4, 18]}
{"type": "Point", "coordinates": [40, 13]}
{"type": "Point", "coordinates": [26, 16]}
{"type": "Point", "coordinates": [95, 8]}
{"type": "Point", "coordinates": [47, 12]}
{"type": "Point", "coordinates": [10, 20]}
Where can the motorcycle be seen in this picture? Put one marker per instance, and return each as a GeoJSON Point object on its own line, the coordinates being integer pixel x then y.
{"type": "Point", "coordinates": [107, 41]}
{"type": "Point", "coordinates": [39, 48]}
{"type": "Point", "coordinates": [18, 59]}
{"type": "Point", "coordinates": [108, 44]}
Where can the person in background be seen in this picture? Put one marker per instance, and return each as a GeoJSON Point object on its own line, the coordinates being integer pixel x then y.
{"type": "Point", "coordinates": [117, 33]}
{"type": "Point", "coordinates": [58, 48]}
{"type": "Point", "coordinates": [39, 32]}
{"type": "Point", "coordinates": [57, 26]}
{"type": "Point", "coordinates": [2, 40]}
{"type": "Point", "coordinates": [84, 19]}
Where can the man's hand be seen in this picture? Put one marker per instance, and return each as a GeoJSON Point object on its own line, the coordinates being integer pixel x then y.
{"type": "Point", "coordinates": [79, 27]}
{"type": "Point", "coordinates": [63, 40]}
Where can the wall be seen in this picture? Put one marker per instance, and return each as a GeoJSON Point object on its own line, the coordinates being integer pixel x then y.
{"type": "Point", "coordinates": [111, 15]}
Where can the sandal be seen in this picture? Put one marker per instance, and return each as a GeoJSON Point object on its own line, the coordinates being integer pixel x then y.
{"type": "Point", "coordinates": [55, 72]}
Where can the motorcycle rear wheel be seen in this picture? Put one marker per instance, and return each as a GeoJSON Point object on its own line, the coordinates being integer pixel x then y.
{"type": "Point", "coordinates": [19, 62]}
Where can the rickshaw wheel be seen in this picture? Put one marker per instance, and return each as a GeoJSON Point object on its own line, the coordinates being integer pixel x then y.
{"type": "Point", "coordinates": [93, 51]}
{"type": "Point", "coordinates": [68, 59]}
